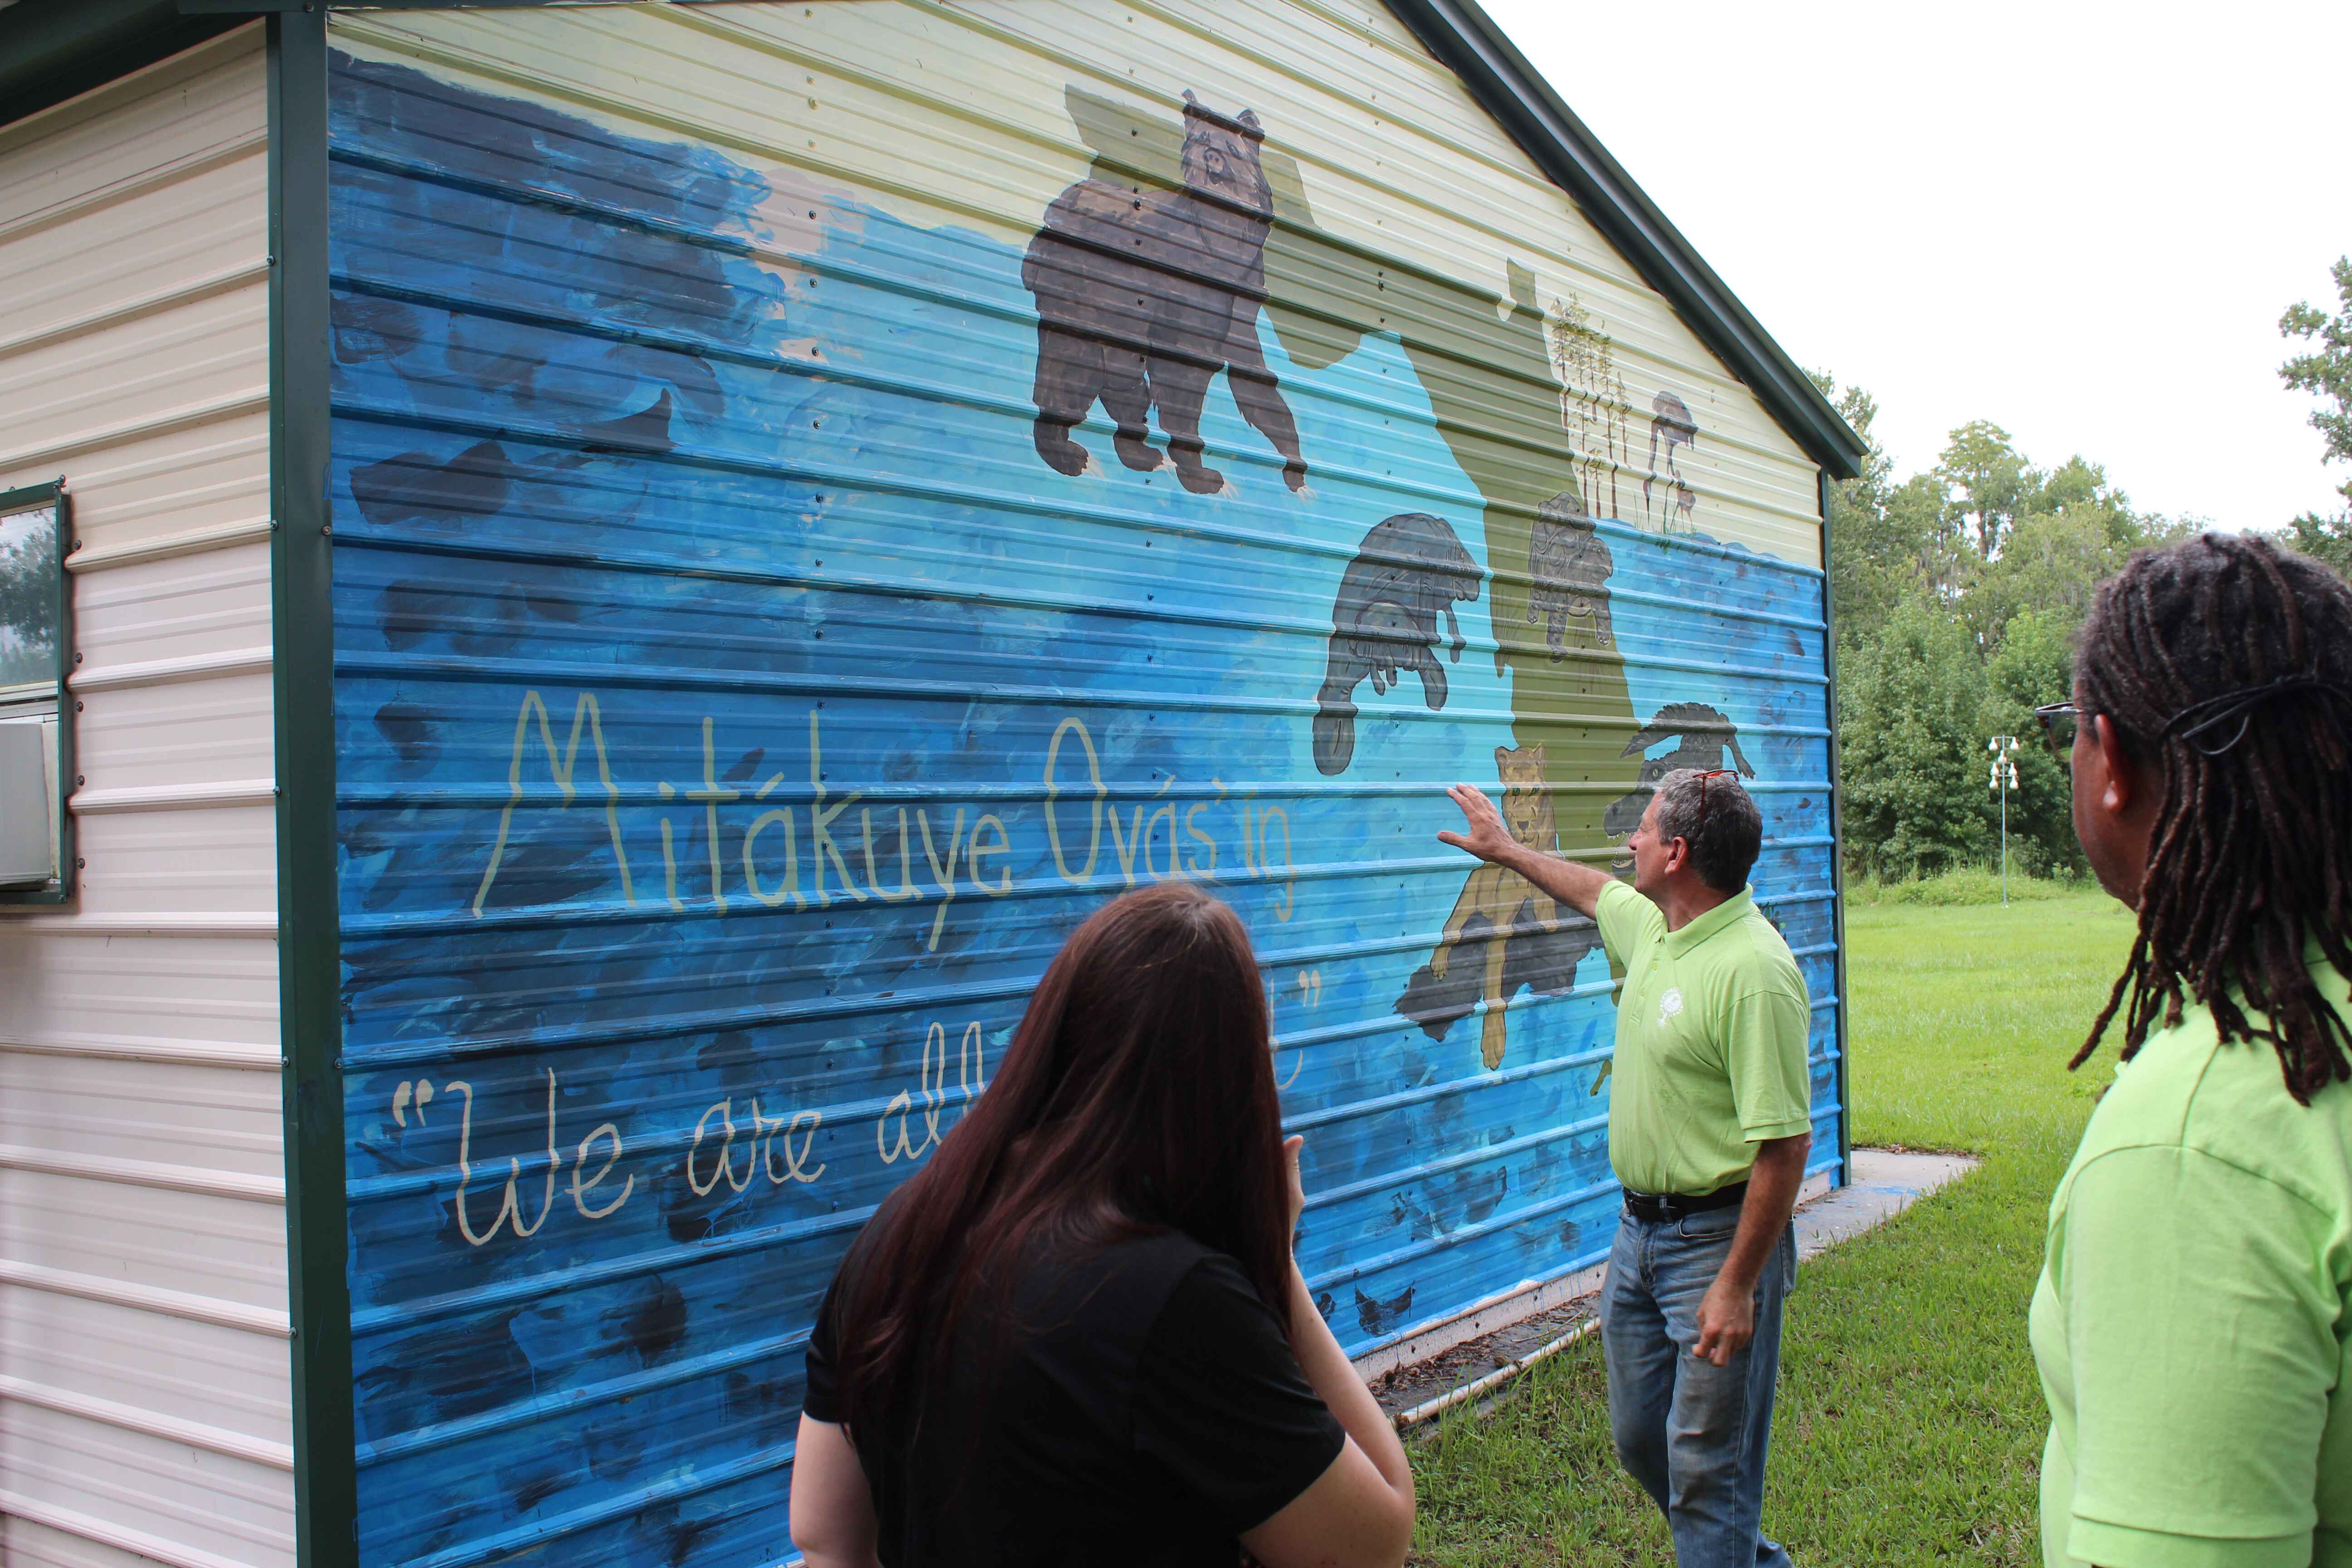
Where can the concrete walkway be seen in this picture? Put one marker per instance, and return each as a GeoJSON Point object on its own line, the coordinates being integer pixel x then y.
{"type": "Point", "coordinates": [1477, 1358]}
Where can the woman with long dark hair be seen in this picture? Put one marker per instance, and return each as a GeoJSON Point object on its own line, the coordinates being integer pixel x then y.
{"type": "Point", "coordinates": [2194, 1319]}
{"type": "Point", "coordinates": [1078, 1336]}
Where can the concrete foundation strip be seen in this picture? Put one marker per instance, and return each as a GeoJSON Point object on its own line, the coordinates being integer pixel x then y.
{"type": "Point", "coordinates": [1495, 1379]}
{"type": "Point", "coordinates": [1886, 1183]}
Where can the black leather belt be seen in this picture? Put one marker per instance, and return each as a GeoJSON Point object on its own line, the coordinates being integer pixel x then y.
{"type": "Point", "coordinates": [1666, 1208]}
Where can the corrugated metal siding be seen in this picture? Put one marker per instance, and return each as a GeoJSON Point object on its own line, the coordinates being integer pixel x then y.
{"type": "Point", "coordinates": [735, 710]}
{"type": "Point", "coordinates": [144, 1410]}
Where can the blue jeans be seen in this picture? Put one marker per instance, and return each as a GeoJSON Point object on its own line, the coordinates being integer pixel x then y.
{"type": "Point", "coordinates": [1693, 1433]}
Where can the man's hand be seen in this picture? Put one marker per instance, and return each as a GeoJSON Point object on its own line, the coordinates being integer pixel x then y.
{"type": "Point", "coordinates": [1487, 839]}
{"type": "Point", "coordinates": [1569, 882]}
{"type": "Point", "coordinates": [1727, 1314]}
{"type": "Point", "coordinates": [1726, 1321]}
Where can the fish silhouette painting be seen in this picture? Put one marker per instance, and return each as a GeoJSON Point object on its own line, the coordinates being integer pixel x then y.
{"type": "Point", "coordinates": [1410, 570]}
{"type": "Point", "coordinates": [1143, 295]}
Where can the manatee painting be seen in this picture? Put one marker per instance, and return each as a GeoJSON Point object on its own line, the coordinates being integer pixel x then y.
{"type": "Point", "coordinates": [1410, 570]}
{"type": "Point", "coordinates": [1143, 296]}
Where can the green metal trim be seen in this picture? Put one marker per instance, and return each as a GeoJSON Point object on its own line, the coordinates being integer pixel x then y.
{"type": "Point", "coordinates": [1837, 848]}
{"type": "Point", "coordinates": [51, 50]}
{"type": "Point", "coordinates": [1465, 39]}
{"type": "Point", "coordinates": [22, 499]}
{"type": "Point", "coordinates": [261, 7]}
{"type": "Point", "coordinates": [309, 961]}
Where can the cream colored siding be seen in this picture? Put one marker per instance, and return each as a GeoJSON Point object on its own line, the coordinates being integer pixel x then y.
{"type": "Point", "coordinates": [144, 1411]}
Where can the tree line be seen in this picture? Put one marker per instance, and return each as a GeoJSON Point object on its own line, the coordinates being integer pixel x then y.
{"type": "Point", "coordinates": [1959, 593]}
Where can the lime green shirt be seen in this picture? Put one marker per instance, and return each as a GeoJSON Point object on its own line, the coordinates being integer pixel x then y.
{"type": "Point", "coordinates": [1712, 1028]}
{"type": "Point", "coordinates": [2191, 1323]}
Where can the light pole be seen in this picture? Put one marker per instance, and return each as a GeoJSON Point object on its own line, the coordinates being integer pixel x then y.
{"type": "Point", "coordinates": [2003, 779]}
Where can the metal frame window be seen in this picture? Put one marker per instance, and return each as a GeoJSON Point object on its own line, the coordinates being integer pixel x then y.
{"type": "Point", "coordinates": [36, 655]}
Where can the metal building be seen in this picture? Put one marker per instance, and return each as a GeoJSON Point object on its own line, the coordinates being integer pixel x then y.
{"type": "Point", "coordinates": [586, 593]}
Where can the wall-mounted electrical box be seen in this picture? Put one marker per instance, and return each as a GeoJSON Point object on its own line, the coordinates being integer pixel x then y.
{"type": "Point", "coordinates": [28, 805]}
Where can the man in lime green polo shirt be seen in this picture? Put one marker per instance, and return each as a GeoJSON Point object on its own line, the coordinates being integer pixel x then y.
{"type": "Point", "coordinates": [2193, 1324]}
{"type": "Point", "coordinates": [1710, 1122]}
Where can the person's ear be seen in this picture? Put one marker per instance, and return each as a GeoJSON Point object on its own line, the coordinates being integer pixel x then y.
{"type": "Point", "coordinates": [2122, 785]}
{"type": "Point", "coordinates": [1677, 856]}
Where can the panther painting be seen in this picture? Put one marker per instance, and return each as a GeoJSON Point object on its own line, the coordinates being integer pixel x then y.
{"type": "Point", "coordinates": [1504, 932]}
{"type": "Point", "coordinates": [1144, 295]}
{"type": "Point", "coordinates": [1410, 568]}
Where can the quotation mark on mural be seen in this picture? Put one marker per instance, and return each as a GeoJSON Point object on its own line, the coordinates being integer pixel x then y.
{"type": "Point", "coordinates": [401, 1100]}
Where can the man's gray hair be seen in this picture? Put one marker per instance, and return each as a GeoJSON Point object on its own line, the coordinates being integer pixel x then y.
{"type": "Point", "coordinates": [1718, 819]}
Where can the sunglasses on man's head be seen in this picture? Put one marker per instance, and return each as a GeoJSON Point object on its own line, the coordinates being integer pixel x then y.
{"type": "Point", "coordinates": [1703, 778]}
{"type": "Point", "coordinates": [2060, 721]}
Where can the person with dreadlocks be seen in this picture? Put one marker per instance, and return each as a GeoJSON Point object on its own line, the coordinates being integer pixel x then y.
{"type": "Point", "coordinates": [2193, 1324]}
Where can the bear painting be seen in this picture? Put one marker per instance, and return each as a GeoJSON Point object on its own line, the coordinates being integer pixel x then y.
{"type": "Point", "coordinates": [1144, 295]}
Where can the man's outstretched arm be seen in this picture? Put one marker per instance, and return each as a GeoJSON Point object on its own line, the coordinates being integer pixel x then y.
{"type": "Point", "coordinates": [1570, 881]}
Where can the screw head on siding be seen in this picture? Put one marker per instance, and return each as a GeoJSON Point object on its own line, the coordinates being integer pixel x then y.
{"type": "Point", "coordinates": [76, 705]}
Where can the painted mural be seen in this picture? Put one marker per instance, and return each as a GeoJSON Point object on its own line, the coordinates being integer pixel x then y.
{"type": "Point", "coordinates": [768, 621]}
{"type": "Point", "coordinates": [1146, 296]}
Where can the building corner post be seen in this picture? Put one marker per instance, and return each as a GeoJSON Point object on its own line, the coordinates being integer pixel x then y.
{"type": "Point", "coordinates": [1837, 844]}
{"type": "Point", "coordinates": [308, 944]}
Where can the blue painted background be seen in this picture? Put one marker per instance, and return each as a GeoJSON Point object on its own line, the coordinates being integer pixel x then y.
{"type": "Point", "coordinates": [756, 537]}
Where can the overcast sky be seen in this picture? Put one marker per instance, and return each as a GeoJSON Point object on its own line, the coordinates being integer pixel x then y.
{"type": "Point", "coordinates": [2080, 221]}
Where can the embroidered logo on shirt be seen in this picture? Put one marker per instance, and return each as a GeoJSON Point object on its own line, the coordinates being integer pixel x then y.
{"type": "Point", "coordinates": [1670, 1004]}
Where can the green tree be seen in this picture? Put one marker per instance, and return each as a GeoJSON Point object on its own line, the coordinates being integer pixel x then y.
{"type": "Point", "coordinates": [1989, 482]}
{"type": "Point", "coordinates": [2034, 665]}
{"type": "Point", "coordinates": [2328, 370]}
{"type": "Point", "coordinates": [1911, 705]}
{"type": "Point", "coordinates": [2050, 566]}
{"type": "Point", "coordinates": [1874, 556]}
{"type": "Point", "coordinates": [2327, 539]}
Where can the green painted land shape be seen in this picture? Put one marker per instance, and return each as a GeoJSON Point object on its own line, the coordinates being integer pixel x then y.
{"type": "Point", "coordinates": [1489, 378]}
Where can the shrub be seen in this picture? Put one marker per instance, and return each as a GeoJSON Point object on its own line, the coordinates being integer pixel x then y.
{"type": "Point", "coordinates": [1961, 885]}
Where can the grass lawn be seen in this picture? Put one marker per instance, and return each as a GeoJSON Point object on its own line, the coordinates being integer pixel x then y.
{"type": "Point", "coordinates": [1910, 1420]}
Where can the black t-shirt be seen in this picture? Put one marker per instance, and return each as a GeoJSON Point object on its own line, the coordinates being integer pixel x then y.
{"type": "Point", "coordinates": [1138, 1405]}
